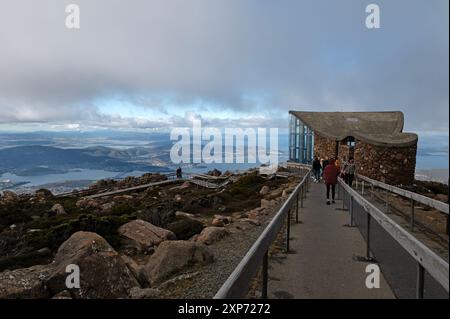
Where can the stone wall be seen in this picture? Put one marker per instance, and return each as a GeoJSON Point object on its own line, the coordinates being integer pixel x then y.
{"type": "Point", "coordinates": [391, 165]}
{"type": "Point", "coordinates": [324, 147]}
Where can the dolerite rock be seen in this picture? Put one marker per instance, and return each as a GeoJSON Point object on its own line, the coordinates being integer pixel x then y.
{"type": "Point", "coordinates": [144, 293]}
{"type": "Point", "coordinates": [220, 220]}
{"type": "Point", "coordinates": [185, 227]}
{"type": "Point", "coordinates": [65, 294]}
{"type": "Point", "coordinates": [44, 193]}
{"type": "Point", "coordinates": [143, 235]}
{"type": "Point", "coordinates": [210, 235]}
{"type": "Point", "coordinates": [173, 256]}
{"type": "Point", "coordinates": [9, 197]}
{"type": "Point", "coordinates": [264, 190]}
{"type": "Point", "coordinates": [26, 283]}
{"type": "Point", "coordinates": [58, 209]}
{"type": "Point", "coordinates": [265, 203]}
{"type": "Point", "coordinates": [86, 203]}
{"type": "Point", "coordinates": [103, 274]}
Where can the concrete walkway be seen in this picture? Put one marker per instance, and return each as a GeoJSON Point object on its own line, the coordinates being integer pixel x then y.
{"type": "Point", "coordinates": [322, 262]}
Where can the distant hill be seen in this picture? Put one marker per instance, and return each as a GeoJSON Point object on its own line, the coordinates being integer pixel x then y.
{"type": "Point", "coordinates": [30, 160]}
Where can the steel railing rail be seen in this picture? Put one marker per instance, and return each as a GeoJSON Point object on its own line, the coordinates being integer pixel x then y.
{"type": "Point", "coordinates": [238, 283]}
{"type": "Point", "coordinates": [441, 206]}
{"type": "Point", "coordinates": [426, 259]}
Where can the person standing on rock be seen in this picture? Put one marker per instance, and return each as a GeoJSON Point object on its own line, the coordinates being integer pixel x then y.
{"type": "Point", "coordinates": [316, 168]}
{"type": "Point", "coordinates": [330, 176]}
{"type": "Point", "coordinates": [179, 173]}
{"type": "Point", "coordinates": [349, 170]}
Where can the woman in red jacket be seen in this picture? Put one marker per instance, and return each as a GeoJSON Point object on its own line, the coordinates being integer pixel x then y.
{"type": "Point", "coordinates": [330, 175]}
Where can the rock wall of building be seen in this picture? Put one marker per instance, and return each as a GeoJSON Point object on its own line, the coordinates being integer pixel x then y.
{"type": "Point", "coordinates": [391, 165]}
{"type": "Point", "coordinates": [324, 147]}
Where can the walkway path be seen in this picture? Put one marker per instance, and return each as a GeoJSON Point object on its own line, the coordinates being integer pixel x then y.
{"type": "Point", "coordinates": [322, 262]}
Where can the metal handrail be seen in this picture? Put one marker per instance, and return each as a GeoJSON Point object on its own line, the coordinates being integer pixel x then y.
{"type": "Point", "coordinates": [441, 206]}
{"type": "Point", "coordinates": [426, 259]}
{"type": "Point", "coordinates": [237, 284]}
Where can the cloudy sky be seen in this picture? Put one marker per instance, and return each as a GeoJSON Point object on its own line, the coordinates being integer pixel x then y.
{"type": "Point", "coordinates": [159, 63]}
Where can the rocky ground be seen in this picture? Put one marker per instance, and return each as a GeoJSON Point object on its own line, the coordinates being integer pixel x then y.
{"type": "Point", "coordinates": [173, 241]}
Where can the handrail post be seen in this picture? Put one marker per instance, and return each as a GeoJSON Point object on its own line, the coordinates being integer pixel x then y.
{"type": "Point", "coordinates": [343, 198]}
{"type": "Point", "coordinates": [301, 196]}
{"type": "Point", "coordinates": [420, 281]}
{"type": "Point", "coordinates": [307, 182]}
{"type": "Point", "coordinates": [372, 193]}
{"type": "Point", "coordinates": [412, 215]}
{"type": "Point", "coordinates": [288, 231]}
{"type": "Point", "coordinates": [296, 209]}
{"type": "Point", "coordinates": [338, 190]}
{"type": "Point", "coordinates": [368, 257]}
{"type": "Point", "coordinates": [265, 275]}
{"type": "Point", "coordinates": [351, 210]}
{"type": "Point", "coordinates": [362, 187]}
{"type": "Point", "coordinates": [386, 202]}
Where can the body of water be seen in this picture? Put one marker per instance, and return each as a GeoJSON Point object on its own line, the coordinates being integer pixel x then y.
{"type": "Point", "coordinates": [73, 175]}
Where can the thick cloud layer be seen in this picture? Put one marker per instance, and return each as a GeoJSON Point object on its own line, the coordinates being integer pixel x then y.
{"type": "Point", "coordinates": [247, 58]}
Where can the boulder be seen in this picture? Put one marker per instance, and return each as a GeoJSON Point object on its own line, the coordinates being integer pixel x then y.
{"type": "Point", "coordinates": [135, 268]}
{"type": "Point", "coordinates": [44, 193]}
{"type": "Point", "coordinates": [255, 213]}
{"type": "Point", "coordinates": [9, 197]}
{"type": "Point", "coordinates": [121, 198]}
{"type": "Point", "coordinates": [86, 203]}
{"type": "Point", "coordinates": [173, 256]}
{"type": "Point", "coordinates": [65, 294]}
{"type": "Point", "coordinates": [264, 190]}
{"type": "Point", "coordinates": [103, 274]}
{"type": "Point", "coordinates": [265, 203]}
{"type": "Point", "coordinates": [220, 221]}
{"type": "Point", "coordinates": [142, 235]}
{"type": "Point", "coordinates": [107, 207]}
{"type": "Point", "coordinates": [217, 223]}
{"type": "Point", "coordinates": [185, 227]}
{"type": "Point", "coordinates": [144, 293]}
{"type": "Point", "coordinates": [210, 235]}
{"type": "Point", "coordinates": [26, 283]}
{"type": "Point", "coordinates": [58, 209]}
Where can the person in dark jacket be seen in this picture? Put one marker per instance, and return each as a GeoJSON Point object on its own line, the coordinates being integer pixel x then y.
{"type": "Point", "coordinates": [316, 169]}
{"type": "Point", "coordinates": [325, 162]}
{"type": "Point", "coordinates": [330, 176]}
{"type": "Point", "coordinates": [179, 172]}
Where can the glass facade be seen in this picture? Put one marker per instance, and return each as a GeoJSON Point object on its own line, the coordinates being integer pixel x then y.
{"type": "Point", "coordinates": [301, 141]}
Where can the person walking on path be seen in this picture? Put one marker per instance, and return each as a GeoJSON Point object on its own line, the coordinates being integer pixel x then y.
{"type": "Point", "coordinates": [325, 162]}
{"type": "Point", "coordinates": [330, 176]}
{"type": "Point", "coordinates": [316, 169]}
{"type": "Point", "coordinates": [349, 170]}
